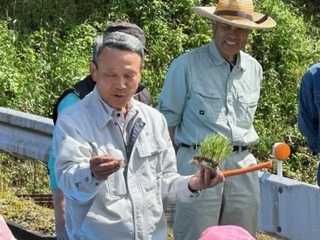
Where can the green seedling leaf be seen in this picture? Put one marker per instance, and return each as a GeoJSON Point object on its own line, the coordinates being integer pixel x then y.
{"type": "Point", "coordinates": [212, 151]}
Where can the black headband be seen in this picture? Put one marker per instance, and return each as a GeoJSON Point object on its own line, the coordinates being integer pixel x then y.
{"type": "Point", "coordinates": [241, 14]}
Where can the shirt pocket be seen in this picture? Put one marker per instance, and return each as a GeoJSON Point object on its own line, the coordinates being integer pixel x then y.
{"type": "Point", "coordinates": [148, 166]}
{"type": "Point", "coordinates": [110, 190]}
{"type": "Point", "coordinates": [247, 105]}
{"type": "Point", "coordinates": [115, 185]}
{"type": "Point", "coordinates": [207, 103]}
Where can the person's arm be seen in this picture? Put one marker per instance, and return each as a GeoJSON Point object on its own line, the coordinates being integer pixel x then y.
{"type": "Point", "coordinates": [58, 200]}
{"type": "Point", "coordinates": [72, 168]}
{"type": "Point", "coordinates": [57, 195]}
{"type": "Point", "coordinates": [174, 94]}
{"type": "Point", "coordinates": [308, 120]}
{"type": "Point", "coordinates": [307, 112]}
{"type": "Point", "coordinates": [171, 133]}
{"type": "Point", "coordinates": [58, 204]}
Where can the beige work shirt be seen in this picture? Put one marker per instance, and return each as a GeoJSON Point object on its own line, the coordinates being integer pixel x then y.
{"type": "Point", "coordinates": [202, 95]}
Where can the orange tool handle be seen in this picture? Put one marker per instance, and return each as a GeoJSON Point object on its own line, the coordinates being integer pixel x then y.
{"type": "Point", "coordinates": [252, 168]}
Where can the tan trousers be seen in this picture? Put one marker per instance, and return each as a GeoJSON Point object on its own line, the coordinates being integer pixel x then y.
{"type": "Point", "coordinates": [234, 202]}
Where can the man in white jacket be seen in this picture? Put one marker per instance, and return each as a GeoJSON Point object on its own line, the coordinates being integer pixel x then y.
{"type": "Point", "coordinates": [115, 162]}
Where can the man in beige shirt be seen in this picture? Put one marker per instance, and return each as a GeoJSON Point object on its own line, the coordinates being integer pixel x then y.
{"type": "Point", "coordinates": [215, 88]}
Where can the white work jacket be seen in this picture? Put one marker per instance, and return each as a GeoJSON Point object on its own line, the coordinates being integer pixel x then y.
{"type": "Point", "coordinates": [130, 203]}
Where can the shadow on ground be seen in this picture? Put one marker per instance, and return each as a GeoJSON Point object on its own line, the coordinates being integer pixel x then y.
{"type": "Point", "coordinates": [21, 233]}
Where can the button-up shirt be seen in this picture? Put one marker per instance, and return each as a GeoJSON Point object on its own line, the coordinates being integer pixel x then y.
{"type": "Point", "coordinates": [130, 203]}
{"type": "Point", "coordinates": [202, 94]}
{"type": "Point", "coordinates": [309, 107]}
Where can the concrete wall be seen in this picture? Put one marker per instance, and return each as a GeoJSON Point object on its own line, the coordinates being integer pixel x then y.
{"type": "Point", "coordinates": [289, 209]}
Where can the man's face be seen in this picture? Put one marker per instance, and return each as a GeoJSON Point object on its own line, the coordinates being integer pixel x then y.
{"type": "Point", "coordinates": [117, 76]}
{"type": "Point", "coordinates": [229, 39]}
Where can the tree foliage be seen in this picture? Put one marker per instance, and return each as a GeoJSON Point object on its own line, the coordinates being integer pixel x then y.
{"type": "Point", "coordinates": [45, 46]}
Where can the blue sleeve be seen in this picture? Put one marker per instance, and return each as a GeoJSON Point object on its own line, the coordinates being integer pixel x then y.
{"type": "Point", "coordinates": [67, 101]}
{"type": "Point", "coordinates": [308, 106]}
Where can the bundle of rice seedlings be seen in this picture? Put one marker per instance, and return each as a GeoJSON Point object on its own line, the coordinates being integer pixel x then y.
{"type": "Point", "coordinates": [212, 151]}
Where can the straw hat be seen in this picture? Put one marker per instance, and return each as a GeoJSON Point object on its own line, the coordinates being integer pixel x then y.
{"type": "Point", "coordinates": [238, 13]}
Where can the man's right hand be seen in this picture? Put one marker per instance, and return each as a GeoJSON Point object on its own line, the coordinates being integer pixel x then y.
{"type": "Point", "coordinates": [103, 166]}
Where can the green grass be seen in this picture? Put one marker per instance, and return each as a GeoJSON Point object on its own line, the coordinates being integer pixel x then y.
{"type": "Point", "coordinates": [19, 175]}
{"type": "Point", "coordinates": [212, 151]}
{"type": "Point", "coordinates": [215, 147]}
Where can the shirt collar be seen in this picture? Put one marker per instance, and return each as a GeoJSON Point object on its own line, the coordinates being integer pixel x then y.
{"type": "Point", "coordinates": [218, 59]}
{"type": "Point", "coordinates": [105, 111]}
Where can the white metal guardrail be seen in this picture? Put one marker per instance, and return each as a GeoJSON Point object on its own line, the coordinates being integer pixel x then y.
{"type": "Point", "coordinates": [289, 209]}
{"type": "Point", "coordinates": [25, 134]}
